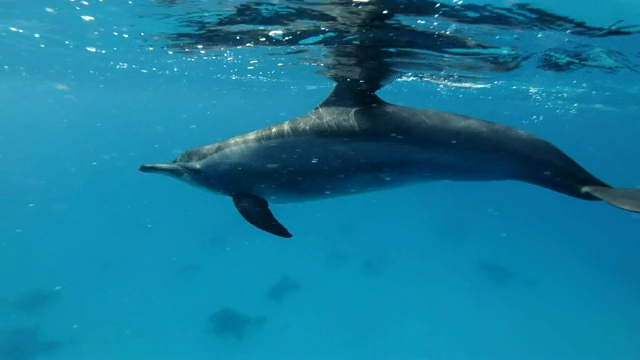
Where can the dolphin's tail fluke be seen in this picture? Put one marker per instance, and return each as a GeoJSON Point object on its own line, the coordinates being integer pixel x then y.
{"type": "Point", "coordinates": [627, 199]}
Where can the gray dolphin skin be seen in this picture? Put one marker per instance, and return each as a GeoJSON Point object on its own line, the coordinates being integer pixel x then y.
{"type": "Point", "coordinates": [354, 142]}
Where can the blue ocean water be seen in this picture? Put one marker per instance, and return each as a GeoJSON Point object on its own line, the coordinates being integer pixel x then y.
{"type": "Point", "coordinates": [99, 261]}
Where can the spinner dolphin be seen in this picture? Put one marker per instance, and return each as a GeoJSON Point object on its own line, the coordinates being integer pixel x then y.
{"type": "Point", "coordinates": [354, 142]}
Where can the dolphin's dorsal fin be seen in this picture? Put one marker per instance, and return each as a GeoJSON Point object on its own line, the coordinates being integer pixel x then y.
{"type": "Point", "coordinates": [351, 93]}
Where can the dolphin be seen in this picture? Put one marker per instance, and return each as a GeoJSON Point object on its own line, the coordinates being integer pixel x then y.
{"type": "Point", "coordinates": [354, 142]}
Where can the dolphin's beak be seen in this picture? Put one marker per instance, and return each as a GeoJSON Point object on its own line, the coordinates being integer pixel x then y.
{"type": "Point", "coordinates": [167, 169]}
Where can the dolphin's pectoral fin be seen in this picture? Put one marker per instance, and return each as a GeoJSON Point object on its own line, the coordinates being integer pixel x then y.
{"type": "Point", "coordinates": [627, 199]}
{"type": "Point", "coordinates": [256, 211]}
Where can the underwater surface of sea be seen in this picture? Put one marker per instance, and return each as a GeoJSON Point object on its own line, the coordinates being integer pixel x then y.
{"type": "Point", "coordinates": [100, 261]}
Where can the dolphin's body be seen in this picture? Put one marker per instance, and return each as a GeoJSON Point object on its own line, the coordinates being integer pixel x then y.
{"type": "Point", "coordinates": [354, 142]}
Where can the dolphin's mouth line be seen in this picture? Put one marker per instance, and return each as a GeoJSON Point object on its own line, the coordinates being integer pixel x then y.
{"type": "Point", "coordinates": [148, 168]}
{"type": "Point", "coordinates": [169, 169]}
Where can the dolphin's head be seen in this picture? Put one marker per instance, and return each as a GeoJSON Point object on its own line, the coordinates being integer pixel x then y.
{"type": "Point", "coordinates": [184, 167]}
{"type": "Point", "coordinates": [192, 167]}
{"type": "Point", "coordinates": [189, 173]}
